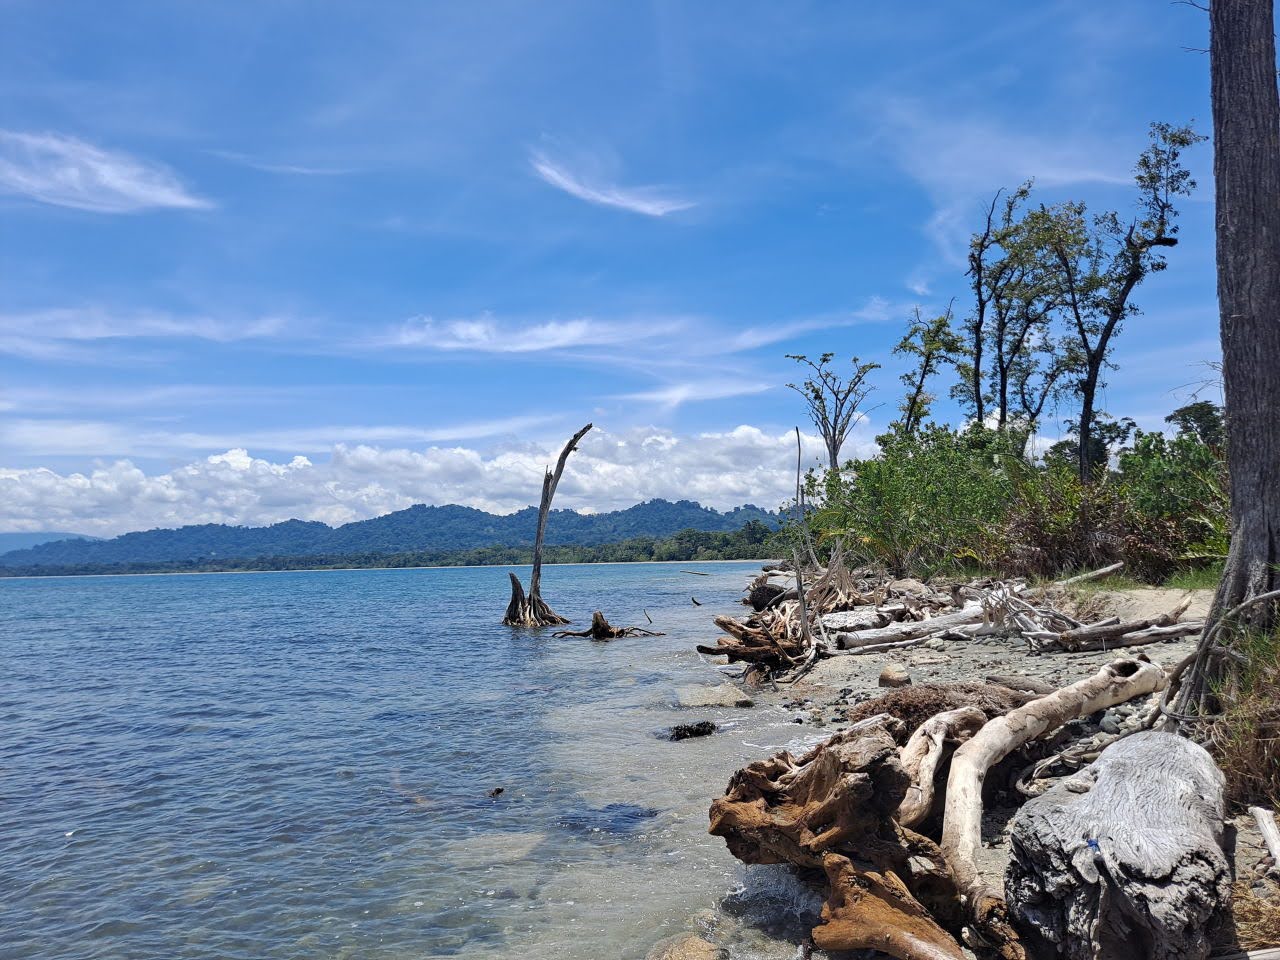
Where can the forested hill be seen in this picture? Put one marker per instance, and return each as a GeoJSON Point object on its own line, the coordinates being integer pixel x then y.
{"type": "Point", "coordinates": [419, 528]}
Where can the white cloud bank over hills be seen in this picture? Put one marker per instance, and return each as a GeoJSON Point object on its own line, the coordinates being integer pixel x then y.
{"type": "Point", "coordinates": [608, 472]}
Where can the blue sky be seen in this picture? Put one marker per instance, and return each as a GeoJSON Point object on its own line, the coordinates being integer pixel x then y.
{"type": "Point", "coordinates": [275, 259]}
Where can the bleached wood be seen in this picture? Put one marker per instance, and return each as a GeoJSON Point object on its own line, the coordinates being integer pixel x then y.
{"type": "Point", "coordinates": [1270, 832]}
{"type": "Point", "coordinates": [924, 753]}
{"type": "Point", "coordinates": [1092, 575]}
{"type": "Point", "coordinates": [1125, 858]}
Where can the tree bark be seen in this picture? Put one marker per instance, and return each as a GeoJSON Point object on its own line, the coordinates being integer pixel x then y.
{"type": "Point", "coordinates": [1125, 858]}
{"type": "Point", "coordinates": [530, 610]}
{"type": "Point", "coordinates": [1246, 166]}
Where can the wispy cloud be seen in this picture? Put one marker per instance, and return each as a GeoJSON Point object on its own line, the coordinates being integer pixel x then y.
{"type": "Point", "coordinates": [67, 172]}
{"type": "Point", "coordinates": [652, 201]}
{"type": "Point", "coordinates": [288, 169]}
{"type": "Point", "coordinates": [60, 333]}
{"type": "Point", "coordinates": [70, 437]}
{"type": "Point", "coordinates": [674, 395]}
{"type": "Point", "coordinates": [484, 334]}
{"type": "Point", "coordinates": [876, 310]}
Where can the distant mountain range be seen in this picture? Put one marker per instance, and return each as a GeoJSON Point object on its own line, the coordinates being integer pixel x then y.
{"type": "Point", "coordinates": [20, 541]}
{"type": "Point", "coordinates": [417, 528]}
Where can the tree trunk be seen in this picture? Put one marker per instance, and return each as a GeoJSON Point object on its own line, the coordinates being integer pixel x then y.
{"type": "Point", "coordinates": [1088, 397]}
{"type": "Point", "coordinates": [1125, 858]}
{"type": "Point", "coordinates": [1246, 164]}
{"type": "Point", "coordinates": [530, 610]}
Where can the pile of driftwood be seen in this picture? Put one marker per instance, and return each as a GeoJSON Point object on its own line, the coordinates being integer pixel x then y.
{"type": "Point", "coordinates": [850, 613]}
{"type": "Point", "coordinates": [1121, 859]}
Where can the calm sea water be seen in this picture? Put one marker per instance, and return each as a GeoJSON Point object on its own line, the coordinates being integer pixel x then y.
{"type": "Point", "coordinates": [298, 765]}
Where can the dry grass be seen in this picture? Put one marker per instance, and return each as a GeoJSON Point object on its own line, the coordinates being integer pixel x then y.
{"type": "Point", "coordinates": [1257, 918]}
{"type": "Point", "coordinates": [1246, 739]}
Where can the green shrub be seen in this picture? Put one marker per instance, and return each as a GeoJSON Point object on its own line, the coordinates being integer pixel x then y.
{"type": "Point", "coordinates": [1183, 481]}
{"type": "Point", "coordinates": [928, 501]}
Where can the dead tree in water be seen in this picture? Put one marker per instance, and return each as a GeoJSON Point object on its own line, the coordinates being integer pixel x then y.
{"type": "Point", "coordinates": [529, 610]}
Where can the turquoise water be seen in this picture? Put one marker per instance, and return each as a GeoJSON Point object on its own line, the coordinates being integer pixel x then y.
{"type": "Point", "coordinates": [298, 764]}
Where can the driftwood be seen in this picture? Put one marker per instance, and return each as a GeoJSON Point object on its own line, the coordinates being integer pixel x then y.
{"type": "Point", "coordinates": [867, 910]}
{"type": "Point", "coordinates": [530, 610]}
{"type": "Point", "coordinates": [911, 629]}
{"type": "Point", "coordinates": [1125, 858]}
{"type": "Point", "coordinates": [834, 809]}
{"type": "Point", "coordinates": [1117, 682]}
{"type": "Point", "coordinates": [602, 629]}
{"type": "Point", "coordinates": [1091, 575]}
{"type": "Point", "coordinates": [1270, 832]}
{"type": "Point", "coordinates": [1099, 636]}
{"type": "Point", "coordinates": [913, 706]}
{"type": "Point", "coordinates": [924, 753]}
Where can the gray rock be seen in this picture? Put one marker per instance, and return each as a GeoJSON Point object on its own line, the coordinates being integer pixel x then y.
{"type": "Point", "coordinates": [724, 695]}
{"type": "Point", "coordinates": [686, 946]}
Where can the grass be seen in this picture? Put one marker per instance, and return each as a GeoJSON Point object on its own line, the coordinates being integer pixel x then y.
{"type": "Point", "coordinates": [1246, 738]}
{"type": "Point", "coordinates": [1196, 578]}
{"type": "Point", "coordinates": [1257, 917]}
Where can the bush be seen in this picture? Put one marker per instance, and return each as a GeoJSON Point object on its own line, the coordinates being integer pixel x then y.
{"type": "Point", "coordinates": [1182, 481]}
{"type": "Point", "coordinates": [930, 500]}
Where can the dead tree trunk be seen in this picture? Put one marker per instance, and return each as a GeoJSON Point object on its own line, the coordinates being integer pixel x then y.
{"type": "Point", "coordinates": [1125, 858]}
{"type": "Point", "coordinates": [1246, 166]}
{"type": "Point", "coordinates": [530, 610]}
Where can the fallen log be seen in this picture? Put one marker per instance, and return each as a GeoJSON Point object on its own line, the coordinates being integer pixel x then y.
{"type": "Point", "coordinates": [1125, 858]}
{"type": "Point", "coordinates": [834, 809]}
{"type": "Point", "coordinates": [1115, 683]}
{"type": "Point", "coordinates": [1091, 575]}
{"type": "Point", "coordinates": [911, 629]}
{"type": "Point", "coordinates": [1095, 637]}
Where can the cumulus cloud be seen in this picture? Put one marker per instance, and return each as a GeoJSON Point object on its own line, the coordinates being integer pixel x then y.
{"type": "Point", "coordinates": [67, 172]}
{"type": "Point", "coordinates": [609, 471]}
{"type": "Point", "coordinates": [650, 201]}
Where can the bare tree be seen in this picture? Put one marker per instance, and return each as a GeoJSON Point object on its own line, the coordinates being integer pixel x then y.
{"type": "Point", "coordinates": [531, 610]}
{"type": "Point", "coordinates": [1246, 167]}
{"type": "Point", "coordinates": [834, 402]}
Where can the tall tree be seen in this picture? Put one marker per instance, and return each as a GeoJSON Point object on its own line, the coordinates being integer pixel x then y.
{"type": "Point", "coordinates": [1012, 362]}
{"type": "Point", "coordinates": [933, 344]}
{"type": "Point", "coordinates": [834, 402]}
{"type": "Point", "coordinates": [1246, 169]}
{"type": "Point", "coordinates": [1099, 261]}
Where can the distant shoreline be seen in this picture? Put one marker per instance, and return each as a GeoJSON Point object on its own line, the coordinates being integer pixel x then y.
{"type": "Point", "coordinates": [437, 566]}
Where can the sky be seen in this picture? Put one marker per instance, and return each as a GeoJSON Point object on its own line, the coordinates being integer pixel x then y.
{"type": "Point", "coordinates": [325, 260]}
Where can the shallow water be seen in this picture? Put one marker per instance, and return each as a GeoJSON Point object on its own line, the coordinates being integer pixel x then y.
{"type": "Point", "coordinates": [298, 764]}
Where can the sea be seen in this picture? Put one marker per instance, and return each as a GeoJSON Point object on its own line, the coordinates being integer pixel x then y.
{"type": "Point", "coordinates": [366, 764]}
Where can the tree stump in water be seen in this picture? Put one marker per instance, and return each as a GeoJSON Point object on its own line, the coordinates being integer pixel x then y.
{"type": "Point", "coordinates": [530, 610]}
{"type": "Point", "coordinates": [1125, 858]}
{"type": "Point", "coordinates": [602, 629]}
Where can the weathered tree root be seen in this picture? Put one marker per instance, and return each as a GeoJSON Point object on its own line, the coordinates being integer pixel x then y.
{"type": "Point", "coordinates": [924, 753]}
{"type": "Point", "coordinates": [602, 629]}
{"type": "Point", "coordinates": [867, 910]}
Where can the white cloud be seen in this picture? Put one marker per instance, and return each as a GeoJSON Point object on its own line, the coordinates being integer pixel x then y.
{"type": "Point", "coordinates": [875, 310]}
{"type": "Point", "coordinates": [67, 172]}
{"type": "Point", "coordinates": [650, 201]}
{"type": "Point", "coordinates": [483, 334]}
{"type": "Point", "coordinates": [609, 471]}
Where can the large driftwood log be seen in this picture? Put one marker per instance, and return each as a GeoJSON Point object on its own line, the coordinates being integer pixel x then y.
{"type": "Point", "coordinates": [1097, 636]}
{"type": "Point", "coordinates": [912, 629]}
{"type": "Point", "coordinates": [1123, 859]}
{"type": "Point", "coordinates": [1115, 683]}
{"type": "Point", "coordinates": [529, 610]}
